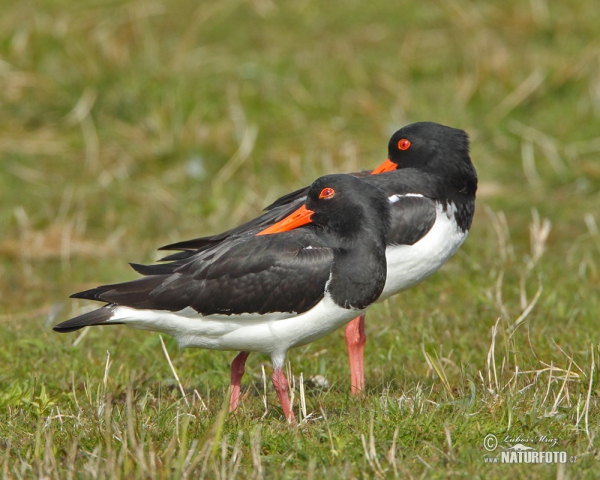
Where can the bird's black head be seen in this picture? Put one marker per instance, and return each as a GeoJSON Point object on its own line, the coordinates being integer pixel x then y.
{"type": "Point", "coordinates": [342, 205]}
{"type": "Point", "coordinates": [354, 216]}
{"type": "Point", "coordinates": [345, 205]}
{"type": "Point", "coordinates": [435, 149]}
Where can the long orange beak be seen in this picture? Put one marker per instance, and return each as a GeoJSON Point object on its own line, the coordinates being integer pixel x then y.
{"type": "Point", "coordinates": [386, 166]}
{"type": "Point", "coordinates": [297, 219]}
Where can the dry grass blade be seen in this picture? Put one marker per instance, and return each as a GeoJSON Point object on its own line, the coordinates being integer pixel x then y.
{"type": "Point", "coordinates": [264, 393]}
{"type": "Point", "coordinates": [437, 366]}
{"type": "Point", "coordinates": [544, 141]}
{"type": "Point", "coordinates": [500, 225]}
{"type": "Point", "coordinates": [527, 88]}
{"type": "Point", "coordinates": [448, 439]}
{"type": "Point", "coordinates": [181, 389]}
{"type": "Point", "coordinates": [391, 456]}
{"type": "Point", "coordinates": [589, 396]}
{"type": "Point", "coordinates": [371, 455]}
{"type": "Point", "coordinates": [527, 309]}
{"type": "Point", "coordinates": [493, 386]}
{"type": "Point", "coordinates": [102, 397]}
{"type": "Point", "coordinates": [529, 169]}
{"type": "Point", "coordinates": [291, 384]}
{"type": "Point", "coordinates": [539, 231]}
{"type": "Point", "coordinates": [199, 397]}
{"type": "Point", "coordinates": [257, 471]}
{"type": "Point", "coordinates": [554, 409]}
{"type": "Point", "coordinates": [333, 451]}
{"type": "Point", "coordinates": [302, 410]}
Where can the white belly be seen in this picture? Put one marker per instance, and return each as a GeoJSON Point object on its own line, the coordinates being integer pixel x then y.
{"type": "Point", "coordinates": [273, 334]}
{"type": "Point", "coordinates": [408, 265]}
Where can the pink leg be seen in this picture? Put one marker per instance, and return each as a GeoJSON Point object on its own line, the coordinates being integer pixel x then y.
{"type": "Point", "coordinates": [281, 387]}
{"type": "Point", "coordinates": [237, 372]}
{"type": "Point", "coordinates": [355, 342]}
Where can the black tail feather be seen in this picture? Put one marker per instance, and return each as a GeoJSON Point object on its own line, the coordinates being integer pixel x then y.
{"type": "Point", "coordinates": [160, 269]}
{"type": "Point", "coordinates": [96, 317]}
{"type": "Point", "coordinates": [196, 243]}
{"type": "Point", "coordinates": [183, 255]}
{"type": "Point", "coordinates": [135, 294]}
{"type": "Point", "coordinates": [92, 294]}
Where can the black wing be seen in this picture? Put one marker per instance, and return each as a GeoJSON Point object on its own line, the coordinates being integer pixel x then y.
{"type": "Point", "coordinates": [250, 275]}
{"type": "Point", "coordinates": [278, 210]}
{"type": "Point", "coordinates": [412, 218]}
{"type": "Point", "coordinates": [295, 197]}
{"type": "Point", "coordinates": [413, 195]}
{"type": "Point", "coordinates": [251, 227]}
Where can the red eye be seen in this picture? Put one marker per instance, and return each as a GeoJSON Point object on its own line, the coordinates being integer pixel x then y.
{"type": "Point", "coordinates": [327, 193]}
{"type": "Point", "coordinates": [404, 144]}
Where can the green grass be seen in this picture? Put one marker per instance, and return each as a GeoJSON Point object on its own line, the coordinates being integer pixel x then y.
{"type": "Point", "coordinates": [130, 125]}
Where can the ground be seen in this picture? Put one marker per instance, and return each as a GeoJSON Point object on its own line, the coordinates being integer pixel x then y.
{"type": "Point", "coordinates": [127, 125]}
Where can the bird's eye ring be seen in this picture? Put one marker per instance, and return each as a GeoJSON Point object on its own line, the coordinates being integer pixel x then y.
{"type": "Point", "coordinates": [404, 144]}
{"type": "Point", "coordinates": [327, 193]}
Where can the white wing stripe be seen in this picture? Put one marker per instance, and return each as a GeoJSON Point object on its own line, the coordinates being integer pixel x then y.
{"type": "Point", "coordinates": [395, 198]}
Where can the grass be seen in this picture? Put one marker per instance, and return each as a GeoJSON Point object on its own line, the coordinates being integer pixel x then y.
{"type": "Point", "coordinates": [128, 125]}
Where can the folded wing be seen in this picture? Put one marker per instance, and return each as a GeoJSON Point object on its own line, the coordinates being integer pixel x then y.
{"type": "Point", "coordinates": [257, 275]}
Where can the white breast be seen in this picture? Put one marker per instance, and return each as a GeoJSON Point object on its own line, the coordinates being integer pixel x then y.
{"type": "Point", "coordinates": [409, 265]}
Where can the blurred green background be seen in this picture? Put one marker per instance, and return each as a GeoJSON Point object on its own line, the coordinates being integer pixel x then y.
{"type": "Point", "coordinates": [127, 125]}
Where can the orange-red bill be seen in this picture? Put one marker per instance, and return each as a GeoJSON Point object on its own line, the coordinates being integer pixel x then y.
{"type": "Point", "coordinates": [386, 166]}
{"type": "Point", "coordinates": [297, 219]}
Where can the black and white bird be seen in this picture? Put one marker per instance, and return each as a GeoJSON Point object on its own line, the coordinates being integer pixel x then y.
{"type": "Point", "coordinates": [285, 286]}
{"type": "Point", "coordinates": [430, 182]}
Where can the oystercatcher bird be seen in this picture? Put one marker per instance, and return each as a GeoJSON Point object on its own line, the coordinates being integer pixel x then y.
{"type": "Point", "coordinates": [431, 184]}
{"type": "Point", "coordinates": [288, 285]}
